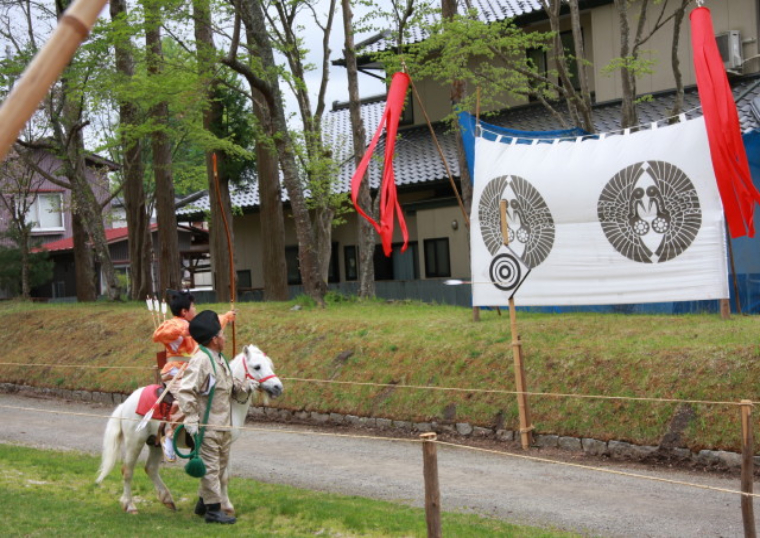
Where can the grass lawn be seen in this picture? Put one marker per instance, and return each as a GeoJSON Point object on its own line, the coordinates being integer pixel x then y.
{"type": "Point", "coordinates": [693, 357]}
{"type": "Point", "coordinates": [46, 493]}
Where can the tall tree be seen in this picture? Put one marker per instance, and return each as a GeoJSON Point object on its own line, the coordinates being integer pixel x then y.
{"type": "Point", "coordinates": [261, 72]}
{"type": "Point", "coordinates": [219, 183]}
{"type": "Point", "coordinates": [168, 242]}
{"type": "Point", "coordinates": [366, 233]}
{"type": "Point", "coordinates": [315, 152]}
{"type": "Point", "coordinates": [138, 216]}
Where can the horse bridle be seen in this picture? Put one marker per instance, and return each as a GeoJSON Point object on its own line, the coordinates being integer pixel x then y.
{"type": "Point", "coordinates": [249, 376]}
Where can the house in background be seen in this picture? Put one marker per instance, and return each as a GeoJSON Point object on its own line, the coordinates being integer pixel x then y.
{"type": "Point", "coordinates": [438, 234]}
{"type": "Point", "coordinates": [193, 247]}
{"type": "Point", "coordinates": [50, 210]}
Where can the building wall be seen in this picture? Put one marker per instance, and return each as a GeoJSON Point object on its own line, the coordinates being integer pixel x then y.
{"type": "Point", "coordinates": [601, 33]}
{"type": "Point", "coordinates": [739, 15]}
{"type": "Point", "coordinates": [422, 224]}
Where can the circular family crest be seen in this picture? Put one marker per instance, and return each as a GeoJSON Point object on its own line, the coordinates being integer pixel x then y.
{"type": "Point", "coordinates": [530, 223]}
{"type": "Point", "coordinates": [650, 212]}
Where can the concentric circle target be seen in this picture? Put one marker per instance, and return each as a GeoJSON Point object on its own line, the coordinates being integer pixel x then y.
{"type": "Point", "coordinates": [505, 272]}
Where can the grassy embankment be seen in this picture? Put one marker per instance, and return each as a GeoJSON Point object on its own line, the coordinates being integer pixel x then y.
{"type": "Point", "coordinates": [695, 357]}
{"type": "Point", "coordinates": [45, 492]}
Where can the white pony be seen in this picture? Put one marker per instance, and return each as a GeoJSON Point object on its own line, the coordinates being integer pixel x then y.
{"type": "Point", "coordinates": [252, 364]}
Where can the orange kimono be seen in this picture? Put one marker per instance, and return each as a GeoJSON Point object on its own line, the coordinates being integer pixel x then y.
{"type": "Point", "coordinates": [174, 334]}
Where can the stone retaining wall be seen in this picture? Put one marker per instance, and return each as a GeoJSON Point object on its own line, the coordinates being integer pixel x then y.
{"type": "Point", "coordinates": [592, 447]}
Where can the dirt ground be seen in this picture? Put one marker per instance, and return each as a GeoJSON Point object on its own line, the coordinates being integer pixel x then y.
{"type": "Point", "coordinates": [502, 485]}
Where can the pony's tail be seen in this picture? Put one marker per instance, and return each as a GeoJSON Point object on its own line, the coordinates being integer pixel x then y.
{"type": "Point", "coordinates": [111, 444]}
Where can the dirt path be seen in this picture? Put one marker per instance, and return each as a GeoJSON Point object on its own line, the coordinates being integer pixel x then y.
{"type": "Point", "coordinates": [514, 489]}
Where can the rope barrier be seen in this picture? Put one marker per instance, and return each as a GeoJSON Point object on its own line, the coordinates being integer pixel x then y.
{"type": "Point", "coordinates": [418, 441]}
{"type": "Point", "coordinates": [35, 365]}
{"type": "Point", "coordinates": [598, 469]}
{"type": "Point", "coordinates": [513, 392]}
{"type": "Point", "coordinates": [424, 387]}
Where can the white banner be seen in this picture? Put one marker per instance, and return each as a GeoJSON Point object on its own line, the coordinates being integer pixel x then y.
{"type": "Point", "coordinates": [633, 218]}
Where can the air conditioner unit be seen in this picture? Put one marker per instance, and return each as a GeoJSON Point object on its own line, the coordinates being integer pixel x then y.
{"type": "Point", "coordinates": [730, 47]}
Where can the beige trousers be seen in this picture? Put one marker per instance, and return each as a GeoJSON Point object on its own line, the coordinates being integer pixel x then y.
{"type": "Point", "coordinates": [215, 453]}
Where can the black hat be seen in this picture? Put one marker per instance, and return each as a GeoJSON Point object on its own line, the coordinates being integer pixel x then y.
{"type": "Point", "coordinates": [205, 326]}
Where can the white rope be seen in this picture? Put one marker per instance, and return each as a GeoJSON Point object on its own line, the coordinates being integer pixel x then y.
{"type": "Point", "coordinates": [402, 440]}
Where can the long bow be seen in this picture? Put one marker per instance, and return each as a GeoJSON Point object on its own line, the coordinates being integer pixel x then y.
{"type": "Point", "coordinates": [229, 248]}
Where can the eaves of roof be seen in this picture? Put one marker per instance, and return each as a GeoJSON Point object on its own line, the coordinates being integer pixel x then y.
{"type": "Point", "coordinates": [417, 161]}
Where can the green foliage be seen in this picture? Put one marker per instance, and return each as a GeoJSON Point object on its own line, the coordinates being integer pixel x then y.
{"type": "Point", "coordinates": [305, 301]}
{"type": "Point", "coordinates": [638, 66]}
{"type": "Point", "coordinates": [40, 269]}
{"type": "Point", "coordinates": [491, 56]}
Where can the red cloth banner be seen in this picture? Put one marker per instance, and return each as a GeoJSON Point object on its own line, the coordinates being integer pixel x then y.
{"type": "Point", "coordinates": [389, 204]}
{"type": "Point", "coordinates": [729, 157]}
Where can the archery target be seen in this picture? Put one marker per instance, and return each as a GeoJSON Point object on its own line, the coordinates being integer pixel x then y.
{"type": "Point", "coordinates": [505, 272]}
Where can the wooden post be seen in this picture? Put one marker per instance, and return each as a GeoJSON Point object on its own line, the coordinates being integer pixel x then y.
{"type": "Point", "coordinates": [432, 491]}
{"type": "Point", "coordinates": [475, 313]}
{"type": "Point", "coordinates": [725, 309]}
{"type": "Point", "coordinates": [748, 469]}
{"type": "Point", "coordinates": [520, 383]}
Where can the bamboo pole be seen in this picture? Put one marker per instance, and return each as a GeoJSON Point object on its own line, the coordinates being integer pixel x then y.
{"type": "Point", "coordinates": [432, 490]}
{"type": "Point", "coordinates": [520, 383]}
{"type": "Point", "coordinates": [748, 469]}
{"type": "Point", "coordinates": [73, 28]}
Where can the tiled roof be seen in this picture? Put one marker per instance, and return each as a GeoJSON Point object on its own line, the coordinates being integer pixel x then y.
{"type": "Point", "coordinates": [113, 235]}
{"type": "Point", "coordinates": [417, 159]}
{"type": "Point", "coordinates": [488, 11]}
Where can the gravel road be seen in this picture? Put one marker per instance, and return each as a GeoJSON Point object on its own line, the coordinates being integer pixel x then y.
{"type": "Point", "coordinates": [510, 488]}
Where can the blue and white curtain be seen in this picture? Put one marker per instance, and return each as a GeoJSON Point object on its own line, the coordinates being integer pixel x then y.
{"type": "Point", "coordinates": [627, 218]}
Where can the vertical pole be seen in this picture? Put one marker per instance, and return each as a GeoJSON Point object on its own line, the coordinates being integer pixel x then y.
{"type": "Point", "coordinates": [520, 384]}
{"type": "Point", "coordinates": [748, 469]}
{"type": "Point", "coordinates": [432, 491]}
{"type": "Point", "coordinates": [475, 313]}
{"type": "Point", "coordinates": [725, 309]}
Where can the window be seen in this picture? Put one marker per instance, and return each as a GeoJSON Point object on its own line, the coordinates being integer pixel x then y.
{"type": "Point", "coordinates": [244, 279]}
{"type": "Point", "coordinates": [46, 212]}
{"type": "Point", "coordinates": [291, 261]}
{"type": "Point", "coordinates": [400, 265]}
{"type": "Point", "coordinates": [383, 264]}
{"type": "Point", "coordinates": [351, 262]}
{"type": "Point", "coordinates": [437, 258]}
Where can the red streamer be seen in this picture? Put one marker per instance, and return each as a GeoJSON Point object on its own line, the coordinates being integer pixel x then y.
{"type": "Point", "coordinates": [389, 204]}
{"type": "Point", "coordinates": [729, 157]}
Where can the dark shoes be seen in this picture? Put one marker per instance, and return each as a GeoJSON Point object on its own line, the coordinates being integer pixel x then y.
{"type": "Point", "coordinates": [213, 513]}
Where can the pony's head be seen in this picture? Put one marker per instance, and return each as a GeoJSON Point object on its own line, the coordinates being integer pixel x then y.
{"type": "Point", "coordinates": [259, 369]}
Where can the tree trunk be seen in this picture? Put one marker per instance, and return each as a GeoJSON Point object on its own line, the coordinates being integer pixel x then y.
{"type": "Point", "coordinates": [213, 115]}
{"type": "Point", "coordinates": [138, 220]}
{"type": "Point", "coordinates": [253, 18]}
{"type": "Point", "coordinates": [84, 271]}
{"type": "Point", "coordinates": [366, 233]}
{"type": "Point", "coordinates": [457, 94]}
{"type": "Point", "coordinates": [271, 216]}
{"type": "Point", "coordinates": [323, 219]}
{"type": "Point", "coordinates": [675, 62]}
{"type": "Point", "coordinates": [24, 248]}
{"type": "Point", "coordinates": [168, 243]}
{"type": "Point", "coordinates": [628, 107]}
